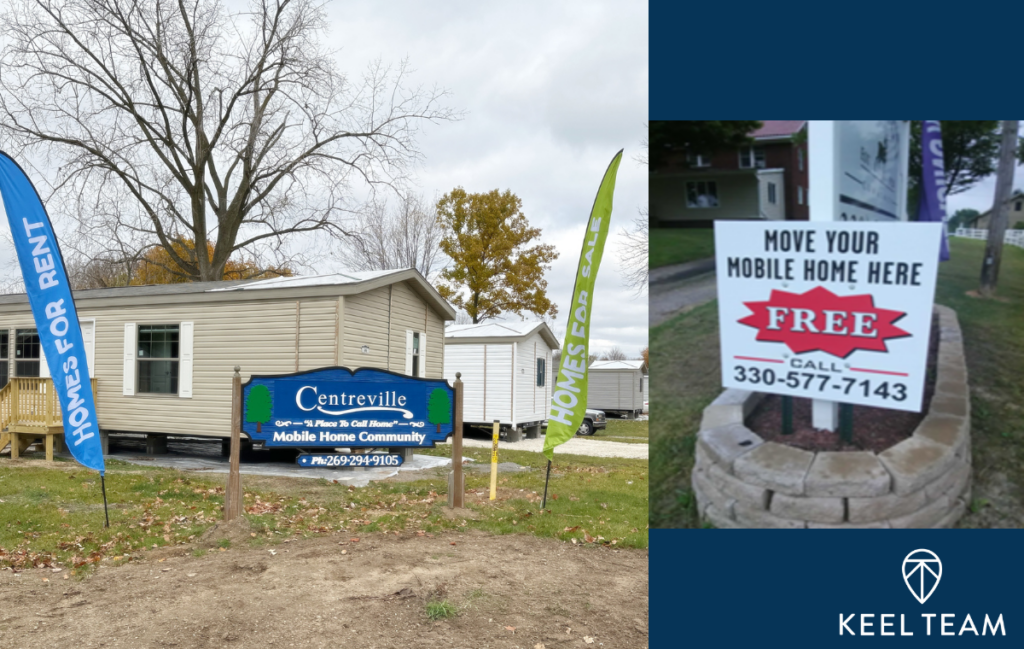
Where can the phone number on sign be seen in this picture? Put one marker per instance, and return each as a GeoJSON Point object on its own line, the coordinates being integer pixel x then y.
{"type": "Point", "coordinates": [821, 382]}
{"type": "Point", "coordinates": [369, 459]}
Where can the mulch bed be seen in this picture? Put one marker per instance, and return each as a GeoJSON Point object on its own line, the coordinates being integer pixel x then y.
{"type": "Point", "coordinates": [874, 429]}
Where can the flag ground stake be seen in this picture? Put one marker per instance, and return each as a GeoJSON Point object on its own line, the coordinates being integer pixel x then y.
{"type": "Point", "coordinates": [103, 486]}
{"type": "Point", "coordinates": [494, 461]}
{"type": "Point", "coordinates": [547, 478]}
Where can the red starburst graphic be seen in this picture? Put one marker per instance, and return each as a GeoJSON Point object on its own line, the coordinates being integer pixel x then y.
{"type": "Point", "coordinates": [821, 320]}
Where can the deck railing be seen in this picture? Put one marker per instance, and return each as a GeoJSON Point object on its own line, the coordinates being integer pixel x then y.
{"type": "Point", "coordinates": [31, 404]}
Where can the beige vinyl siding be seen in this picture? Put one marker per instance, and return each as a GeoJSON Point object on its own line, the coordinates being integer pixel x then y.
{"type": "Point", "coordinates": [410, 313]}
{"type": "Point", "coordinates": [316, 337]}
{"type": "Point", "coordinates": [366, 323]}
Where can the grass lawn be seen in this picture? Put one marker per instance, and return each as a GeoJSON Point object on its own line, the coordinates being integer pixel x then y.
{"type": "Point", "coordinates": [679, 245]}
{"type": "Point", "coordinates": [52, 514]}
{"type": "Point", "coordinates": [686, 361]}
{"type": "Point", "coordinates": [628, 431]}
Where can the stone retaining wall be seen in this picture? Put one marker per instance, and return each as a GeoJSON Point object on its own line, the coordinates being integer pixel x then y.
{"type": "Point", "coordinates": [924, 481]}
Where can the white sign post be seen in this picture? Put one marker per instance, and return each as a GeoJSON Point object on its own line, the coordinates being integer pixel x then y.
{"type": "Point", "coordinates": [858, 172]}
{"type": "Point", "coordinates": [828, 311]}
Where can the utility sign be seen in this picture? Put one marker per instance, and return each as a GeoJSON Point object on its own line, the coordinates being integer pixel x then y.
{"type": "Point", "coordinates": [827, 310]}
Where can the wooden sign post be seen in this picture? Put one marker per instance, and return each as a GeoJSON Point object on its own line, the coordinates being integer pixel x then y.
{"type": "Point", "coordinates": [456, 482]}
{"type": "Point", "coordinates": [233, 497]}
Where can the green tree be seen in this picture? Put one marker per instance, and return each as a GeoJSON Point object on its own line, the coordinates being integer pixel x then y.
{"type": "Point", "coordinates": [486, 236]}
{"type": "Point", "coordinates": [969, 152]}
{"type": "Point", "coordinates": [439, 408]}
{"type": "Point", "coordinates": [961, 217]}
{"type": "Point", "coordinates": [670, 138]}
{"type": "Point", "coordinates": [258, 406]}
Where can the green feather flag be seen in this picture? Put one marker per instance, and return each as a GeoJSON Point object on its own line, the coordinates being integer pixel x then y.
{"type": "Point", "coordinates": [569, 400]}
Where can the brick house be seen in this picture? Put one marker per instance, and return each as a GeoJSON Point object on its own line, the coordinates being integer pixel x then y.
{"type": "Point", "coordinates": [764, 181]}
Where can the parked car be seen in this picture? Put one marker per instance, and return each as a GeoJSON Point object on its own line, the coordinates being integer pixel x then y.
{"type": "Point", "coordinates": [592, 420]}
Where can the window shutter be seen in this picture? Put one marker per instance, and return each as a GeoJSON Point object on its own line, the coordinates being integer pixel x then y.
{"type": "Point", "coordinates": [128, 382]}
{"type": "Point", "coordinates": [185, 360]}
{"type": "Point", "coordinates": [408, 352]}
{"type": "Point", "coordinates": [423, 355]}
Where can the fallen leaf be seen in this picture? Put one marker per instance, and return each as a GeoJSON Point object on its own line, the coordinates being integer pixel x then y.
{"type": "Point", "coordinates": [192, 574]}
{"type": "Point", "coordinates": [354, 540]}
{"type": "Point", "coordinates": [539, 645]}
{"type": "Point", "coordinates": [272, 552]}
{"type": "Point", "coordinates": [588, 639]}
{"type": "Point", "coordinates": [45, 579]}
{"type": "Point", "coordinates": [165, 570]}
{"type": "Point", "coordinates": [510, 628]}
{"type": "Point", "coordinates": [344, 551]}
{"type": "Point", "coordinates": [252, 534]}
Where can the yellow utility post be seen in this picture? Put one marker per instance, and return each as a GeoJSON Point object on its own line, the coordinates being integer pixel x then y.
{"type": "Point", "coordinates": [494, 462]}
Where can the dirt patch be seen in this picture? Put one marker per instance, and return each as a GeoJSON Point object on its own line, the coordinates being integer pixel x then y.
{"type": "Point", "coordinates": [509, 591]}
{"type": "Point", "coordinates": [874, 429]}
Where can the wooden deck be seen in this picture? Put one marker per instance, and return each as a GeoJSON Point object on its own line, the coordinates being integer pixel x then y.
{"type": "Point", "coordinates": [30, 409]}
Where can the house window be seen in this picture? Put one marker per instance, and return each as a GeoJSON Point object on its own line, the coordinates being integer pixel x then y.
{"type": "Point", "coordinates": [702, 193]}
{"type": "Point", "coordinates": [1018, 205]}
{"type": "Point", "coordinates": [416, 354]}
{"type": "Point", "coordinates": [540, 372]}
{"type": "Point", "coordinates": [697, 160]}
{"type": "Point", "coordinates": [26, 352]}
{"type": "Point", "coordinates": [157, 359]}
{"type": "Point", "coordinates": [5, 359]}
{"type": "Point", "coordinates": [752, 158]}
{"type": "Point", "coordinates": [799, 195]}
{"type": "Point", "coordinates": [771, 193]}
{"type": "Point", "coordinates": [800, 159]}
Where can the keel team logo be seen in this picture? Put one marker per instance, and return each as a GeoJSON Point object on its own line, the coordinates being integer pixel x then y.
{"type": "Point", "coordinates": [821, 320]}
{"type": "Point", "coordinates": [922, 571]}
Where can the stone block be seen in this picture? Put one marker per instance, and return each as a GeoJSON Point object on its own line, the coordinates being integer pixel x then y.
{"type": "Point", "coordinates": [724, 444]}
{"type": "Point", "coordinates": [818, 510]}
{"type": "Point", "coordinates": [719, 520]}
{"type": "Point", "coordinates": [927, 516]}
{"type": "Point", "coordinates": [954, 515]}
{"type": "Point", "coordinates": [946, 430]}
{"type": "Point", "coordinates": [710, 495]}
{"type": "Point", "coordinates": [877, 525]}
{"type": "Point", "coordinates": [951, 387]}
{"type": "Point", "coordinates": [915, 462]}
{"type": "Point", "coordinates": [954, 373]}
{"type": "Point", "coordinates": [854, 474]}
{"type": "Point", "coordinates": [776, 467]}
{"type": "Point", "coordinates": [870, 510]}
{"type": "Point", "coordinates": [949, 404]}
{"type": "Point", "coordinates": [952, 483]}
{"type": "Point", "coordinates": [723, 415]}
{"type": "Point", "coordinates": [747, 516]}
{"type": "Point", "coordinates": [735, 488]}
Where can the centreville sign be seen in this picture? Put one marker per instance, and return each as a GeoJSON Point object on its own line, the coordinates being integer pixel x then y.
{"type": "Point", "coordinates": [338, 407]}
{"type": "Point", "coordinates": [827, 310]}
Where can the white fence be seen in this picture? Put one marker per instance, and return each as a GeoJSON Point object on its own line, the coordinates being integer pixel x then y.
{"type": "Point", "coordinates": [1012, 237]}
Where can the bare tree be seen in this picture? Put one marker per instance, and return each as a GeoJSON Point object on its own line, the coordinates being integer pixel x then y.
{"type": "Point", "coordinates": [1000, 208]}
{"type": "Point", "coordinates": [634, 256]}
{"type": "Point", "coordinates": [634, 253]}
{"type": "Point", "coordinates": [401, 233]}
{"type": "Point", "coordinates": [614, 354]}
{"type": "Point", "coordinates": [177, 122]}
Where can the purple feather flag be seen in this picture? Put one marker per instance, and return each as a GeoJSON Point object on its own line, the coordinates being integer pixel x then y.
{"type": "Point", "coordinates": [933, 175]}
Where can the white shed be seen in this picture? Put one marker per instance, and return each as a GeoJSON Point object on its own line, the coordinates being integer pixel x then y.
{"type": "Point", "coordinates": [161, 357]}
{"type": "Point", "coordinates": [505, 371]}
{"type": "Point", "coordinates": [617, 387]}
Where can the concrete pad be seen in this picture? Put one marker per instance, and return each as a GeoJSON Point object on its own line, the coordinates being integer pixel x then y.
{"type": "Point", "coordinates": [915, 462]}
{"type": "Point", "coordinates": [776, 467]}
{"type": "Point", "coordinates": [847, 474]}
{"type": "Point", "coordinates": [724, 444]}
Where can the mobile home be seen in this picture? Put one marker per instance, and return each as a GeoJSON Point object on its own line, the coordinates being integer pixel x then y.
{"type": "Point", "coordinates": [617, 387]}
{"type": "Point", "coordinates": [162, 357]}
{"type": "Point", "coordinates": [505, 373]}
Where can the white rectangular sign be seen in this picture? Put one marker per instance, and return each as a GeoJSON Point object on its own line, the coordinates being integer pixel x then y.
{"type": "Point", "coordinates": [827, 310]}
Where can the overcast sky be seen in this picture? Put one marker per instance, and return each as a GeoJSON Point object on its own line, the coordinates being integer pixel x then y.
{"type": "Point", "coordinates": [551, 91]}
